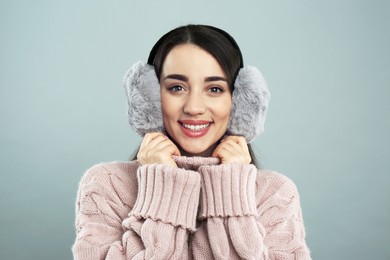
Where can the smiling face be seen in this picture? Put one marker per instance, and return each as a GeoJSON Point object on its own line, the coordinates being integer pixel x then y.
{"type": "Point", "coordinates": [195, 98]}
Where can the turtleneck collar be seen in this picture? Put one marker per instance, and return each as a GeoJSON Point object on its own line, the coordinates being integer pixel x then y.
{"type": "Point", "coordinates": [193, 163]}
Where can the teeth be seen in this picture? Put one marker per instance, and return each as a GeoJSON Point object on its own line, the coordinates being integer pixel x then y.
{"type": "Point", "coordinates": [196, 127]}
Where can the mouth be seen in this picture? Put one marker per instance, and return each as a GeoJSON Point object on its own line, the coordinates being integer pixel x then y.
{"type": "Point", "coordinates": [195, 128]}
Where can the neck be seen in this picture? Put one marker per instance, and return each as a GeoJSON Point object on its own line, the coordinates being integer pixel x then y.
{"type": "Point", "coordinates": [206, 153]}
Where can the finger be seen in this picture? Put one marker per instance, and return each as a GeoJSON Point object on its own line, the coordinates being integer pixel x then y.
{"type": "Point", "coordinates": [155, 142]}
{"type": "Point", "coordinates": [224, 155]}
{"type": "Point", "coordinates": [232, 145]}
{"type": "Point", "coordinates": [158, 150]}
{"type": "Point", "coordinates": [237, 139]}
{"type": "Point", "coordinates": [166, 147]}
{"type": "Point", "coordinates": [233, 150]}
{"type": "Point", "coordinates": [223, 148]}
{"type": "Point", "coordinates": [145, 145]}
{"type": "Point", "coordinates": [148, 138]}
{"type": "Point", "coordinates": [228, 146]}
{"type": "Point", "coordinates": [223, 152]}
{"type": "Point", "coordinates": [240, 140]}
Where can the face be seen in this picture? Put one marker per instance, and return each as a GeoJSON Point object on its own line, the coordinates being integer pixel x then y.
{"type": "Point", "coordinates": [195, 98]}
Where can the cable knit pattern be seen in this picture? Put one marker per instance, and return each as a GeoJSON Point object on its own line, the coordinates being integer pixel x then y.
{"type": "Point", "coordinates": [200, 210]}
{"type": "Point", "coordinates": [167, 194]}
{"type": "Point", "coordinates": [228, 190]}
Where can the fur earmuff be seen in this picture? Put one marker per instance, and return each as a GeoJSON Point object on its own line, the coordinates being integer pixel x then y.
{"type": "Point", "coordinates": [143, 99]}
{"type": "Point", "coordinates": [250, 101]}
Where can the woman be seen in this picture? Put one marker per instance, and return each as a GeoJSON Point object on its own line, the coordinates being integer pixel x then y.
{"type": "Point", "coordinates": [194, 191]}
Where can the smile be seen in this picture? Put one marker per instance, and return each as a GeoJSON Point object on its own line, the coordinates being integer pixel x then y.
{"type": "Point", "coordinates": [196, 127]}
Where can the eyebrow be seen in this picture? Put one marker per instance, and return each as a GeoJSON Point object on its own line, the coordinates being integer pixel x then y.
{"type": "Point", "coordinates": [177, 76]}
{"type": "Point", "coordinates": [185, 78]}
{"type": "Point", "coordinates": [215, 78]}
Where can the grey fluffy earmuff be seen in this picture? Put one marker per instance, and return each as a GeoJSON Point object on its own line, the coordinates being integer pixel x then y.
{"type": "Point", "coordinates": [143, 99]}
{"type": "Point", "coordinates": [249, 105]}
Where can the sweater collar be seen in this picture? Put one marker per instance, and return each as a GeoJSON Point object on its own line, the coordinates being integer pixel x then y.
{"type": "Point", "coordinates": [193, 163]}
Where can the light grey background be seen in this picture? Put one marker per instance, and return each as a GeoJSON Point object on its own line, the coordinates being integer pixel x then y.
{"type": "Point", "coordinates": [63, 109]}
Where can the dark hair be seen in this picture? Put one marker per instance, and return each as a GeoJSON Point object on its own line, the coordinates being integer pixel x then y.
{"type": "Point", "coordinates": [213, 40]}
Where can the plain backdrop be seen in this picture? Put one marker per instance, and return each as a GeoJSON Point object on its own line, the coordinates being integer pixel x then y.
{"type": "Point", "coordinates": [63, 109]}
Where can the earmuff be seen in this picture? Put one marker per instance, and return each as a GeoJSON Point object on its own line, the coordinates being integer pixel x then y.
{"type": "Point", "coordinates": [250, 97]}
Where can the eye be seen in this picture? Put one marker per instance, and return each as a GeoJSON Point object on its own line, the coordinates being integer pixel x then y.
{"type": "Point", "coordinates": [216, 89]}
{"type": "Point", "coordinates": [176, 88]}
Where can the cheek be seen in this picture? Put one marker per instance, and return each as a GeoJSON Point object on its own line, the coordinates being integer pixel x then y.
{"type": "Point", "coordinates": [224, 109]}
{"type": "Point", "coordinates": [168, 108]}
{"type": "Point", "coordinates": [227, 115]}
{"type": "Point", "coordinates": [164, 103]}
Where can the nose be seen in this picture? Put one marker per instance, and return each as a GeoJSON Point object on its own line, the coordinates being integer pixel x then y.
{"type": "Point", "coordinates": [194, 104]}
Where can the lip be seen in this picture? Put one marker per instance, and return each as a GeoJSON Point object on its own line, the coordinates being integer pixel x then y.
{"type": "Point", "coordinates": [197, 133]}
{"type": "Point", "coordinates": [194, 122]}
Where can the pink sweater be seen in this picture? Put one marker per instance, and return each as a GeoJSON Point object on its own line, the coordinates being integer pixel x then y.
{"type": "Point", "coordinates": [201, 210]}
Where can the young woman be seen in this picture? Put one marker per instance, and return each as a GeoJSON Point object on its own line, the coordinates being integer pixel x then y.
{"type": "Point", "coordinates": [193, 190]}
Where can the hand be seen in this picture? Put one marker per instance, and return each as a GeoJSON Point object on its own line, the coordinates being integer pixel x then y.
{"type": "Point", "coordinates": [233, 149]}
{"type": "Point", "coordinates": [157, 148]}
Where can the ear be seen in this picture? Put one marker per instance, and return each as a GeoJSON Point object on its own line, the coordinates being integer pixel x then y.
{"type": "Point", "coordinates": [250, 103]}
{"type": "Point", "coordinates": [143, 99]}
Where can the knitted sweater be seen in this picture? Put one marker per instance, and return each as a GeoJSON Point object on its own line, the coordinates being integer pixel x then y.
{"type": "Point", "coordinates": [200, 210]}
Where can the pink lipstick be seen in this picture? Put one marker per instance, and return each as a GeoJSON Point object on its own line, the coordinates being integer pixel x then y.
{"type": "Point", "coordinates": [195, 128]}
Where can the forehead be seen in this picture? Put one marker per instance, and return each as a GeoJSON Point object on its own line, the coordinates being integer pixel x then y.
{"type": "Point", "coordinates": [191, 59]}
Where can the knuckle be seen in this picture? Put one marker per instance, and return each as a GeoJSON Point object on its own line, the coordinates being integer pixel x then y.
{"type": "Point", "coordinates": [241, 138]}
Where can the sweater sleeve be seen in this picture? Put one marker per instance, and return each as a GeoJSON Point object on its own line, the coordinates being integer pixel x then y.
{"type": "Point", "coordinates": [148, 217]}
{"type": "Point", "coordinates": [246, 216]}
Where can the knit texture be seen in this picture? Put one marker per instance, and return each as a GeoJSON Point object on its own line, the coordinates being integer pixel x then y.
{"type": "Point", "coordinates": [228, 190]}
{"type": "Point", "coordinates": [200, 210]}
{"type": "Point", "coordinates": [167, 194]}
